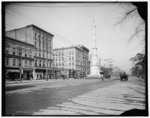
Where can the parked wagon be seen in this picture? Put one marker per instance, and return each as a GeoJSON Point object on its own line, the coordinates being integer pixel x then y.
{"type": "Point", "coordinates": [123, 77]}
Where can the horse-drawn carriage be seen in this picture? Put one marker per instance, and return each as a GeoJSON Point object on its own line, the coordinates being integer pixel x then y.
{"type": "Point", "coordinates": [123, 77]}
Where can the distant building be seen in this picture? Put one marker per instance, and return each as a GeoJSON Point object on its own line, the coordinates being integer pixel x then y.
{"type": "Point", "coordinates": [88, 67]}
{"type": "Point", "coordinates": [74, 60]}
{"type": "Point", "coordinates": [19, 58]}
{"type": "Point", "coordinates": [43, 52]}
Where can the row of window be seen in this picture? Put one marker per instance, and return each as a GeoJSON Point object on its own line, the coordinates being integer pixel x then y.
{"type": "Point", "coordinates": [44, 46]}
{"type": "Point", "coordinates": [63, 64]}
{"type": "Point", "coordinates": [42, 41]}
{"type": "Point", "coordinates": [26, 63]}
{"type": "Point", "coordinates": [39, 36]}
{"type": "Point", "coordinates": [59, 59]}
{"type": "Point", "coordinates": [19, 52]}
{"type": "Point", "coordinates": [70, 63]}
{"type": "Point", "coordinates": [79, 55]}
{"type": "Point", "coordinates": [26, 53]}
{"type": "Point", "coordinates": [62, 53]}
{"type": "Point", "coordinates": [40, 63]}
{"type": "Point", "coordinates": [85, 58]}
{"type": "Point", "coordinates": [43, 55]}
{"type": "Point", "coordinates": [17, 62]}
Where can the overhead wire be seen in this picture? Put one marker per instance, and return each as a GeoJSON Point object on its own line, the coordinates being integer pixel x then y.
{"type": "Point", "coordinates": [29, 20]}
{"type": "Point", "coordinates": [16, 15]}
{"type": "Point", "coordinates": [8, 25]}
{"type": "Point", "coordinates": [54, 5]}
{"type": "Point", "coordinates": [34, 22]}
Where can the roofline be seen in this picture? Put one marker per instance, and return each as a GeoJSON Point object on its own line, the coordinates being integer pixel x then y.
{"type": "Point", "coordinates": [84, 48]}
{"type": "Point", "coordinates": [39, 29]}
{"type": "Point", "coordinates": [32, 25]}
{"type": "Point", "coordinates": [6, 37]}
{"type": "Point", "coordinates": [68, 48]}
{"type": "Point", "coordinates": [80, 48]}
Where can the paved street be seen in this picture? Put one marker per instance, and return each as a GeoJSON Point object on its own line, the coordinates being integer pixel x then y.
{"type": "Point", "coordinates": [76, 97]}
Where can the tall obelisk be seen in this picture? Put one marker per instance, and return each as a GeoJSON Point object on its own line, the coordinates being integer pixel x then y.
{"type": "Point", "coordinates": [94, 68]}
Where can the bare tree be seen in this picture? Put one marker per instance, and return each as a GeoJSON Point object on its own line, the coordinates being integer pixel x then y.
{"type": "Point", "coordinates": [138, 8]}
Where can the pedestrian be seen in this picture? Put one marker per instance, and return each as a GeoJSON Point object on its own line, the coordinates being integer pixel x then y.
{"type": "Point", "coordinates": [30, 77]}
{"type": "Point", "coordinates": [102, 76]}
{"type": "Point", "coordinates": [21, 76]}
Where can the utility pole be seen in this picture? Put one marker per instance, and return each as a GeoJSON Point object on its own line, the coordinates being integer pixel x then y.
{"type": "Point", "coordinates": [110, 63]}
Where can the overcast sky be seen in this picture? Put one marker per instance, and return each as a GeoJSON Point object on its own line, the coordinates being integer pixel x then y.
{"type": "Point", "coordinates": [71, 23]}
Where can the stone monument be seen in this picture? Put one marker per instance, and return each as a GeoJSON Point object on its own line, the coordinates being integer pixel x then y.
{"type": "Point", "coordinates": [94, 67]}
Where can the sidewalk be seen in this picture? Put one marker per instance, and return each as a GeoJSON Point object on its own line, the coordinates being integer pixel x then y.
{"type": "Point", "coordinates": [29, 82]}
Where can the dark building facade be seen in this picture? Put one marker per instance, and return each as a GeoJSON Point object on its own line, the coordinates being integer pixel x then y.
{"type": "Point", "coordinates": [42, 41]}
{"type": "Point", "coordinates": [19, 59]}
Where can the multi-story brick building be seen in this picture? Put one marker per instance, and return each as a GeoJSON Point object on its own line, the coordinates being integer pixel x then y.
{"type": "Point", "coordinates": [73, 58]}
{"type": "Point", "coordinates": [43, 52]}
{"type": "Point", "coordinates": [85, 61]}
{"type": "Point", "coordinates": [19, 58]}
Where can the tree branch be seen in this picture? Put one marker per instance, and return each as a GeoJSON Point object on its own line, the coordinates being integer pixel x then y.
{"type": "Point", "coordinates": [125, 16]}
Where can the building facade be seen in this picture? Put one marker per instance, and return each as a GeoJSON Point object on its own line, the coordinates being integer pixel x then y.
{"type": "Point", "coordinates": [43, 49]}
{"type": "Point", "coordinates": [85, 61]}
{"type": "Point", "coordinates": [73, 60]}
{"type": "Point", "coordinates": [19, 58]}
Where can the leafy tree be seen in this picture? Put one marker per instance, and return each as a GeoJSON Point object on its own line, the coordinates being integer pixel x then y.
{"type": "Point", "coordinates": [139, 67]}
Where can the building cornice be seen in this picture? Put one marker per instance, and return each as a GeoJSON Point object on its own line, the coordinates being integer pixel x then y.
{"type": "Point", "coordinates": [39, 29]}
{"type": "Point", "coordinates": [63, 48]}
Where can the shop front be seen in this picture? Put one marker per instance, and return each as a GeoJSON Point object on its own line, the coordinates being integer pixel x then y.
{"type": "Point", "coordinates": [27, 74]}
{"type": "Point", "coordinates": [72, 73]}
{"type": "Point", "coordinates": [40, 74]}
{"type": "Point", "coordinates": [54, 73]}
{"type": "Point", "coordinates": [12, 74]}
{"type": "Point", "coordinates": [50, 74]}
{"type": "Point", "coordinates": [57, 73]}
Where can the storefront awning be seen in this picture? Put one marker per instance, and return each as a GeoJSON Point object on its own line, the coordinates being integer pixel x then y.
{"type": "Point", "coordinates": [13, 71]}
